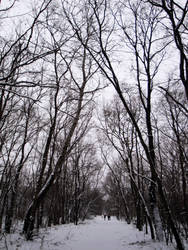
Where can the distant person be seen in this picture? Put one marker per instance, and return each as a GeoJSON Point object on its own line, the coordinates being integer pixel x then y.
{"type": "Point", "coordinates": [104, 216]}
{"type": "Point", "coordinates": [108, 217]}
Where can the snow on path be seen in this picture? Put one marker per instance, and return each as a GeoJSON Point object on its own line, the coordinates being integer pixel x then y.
{"type": "Point", "coordinates": [110, 235]}
{"type": "Point", "coordinates": [95, 234]}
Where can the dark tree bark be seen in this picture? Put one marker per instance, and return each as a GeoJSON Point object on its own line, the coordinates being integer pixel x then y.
{"type": "Point", "coordinates": [177, 16]}
{"type": "Point", "coordinates": [104, 62]}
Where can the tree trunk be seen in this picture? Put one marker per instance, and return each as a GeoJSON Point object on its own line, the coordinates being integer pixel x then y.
{"type": "Point", "coordinates": [30, 214]}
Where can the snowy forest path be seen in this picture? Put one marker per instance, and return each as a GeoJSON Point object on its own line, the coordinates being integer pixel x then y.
{"type": "Point", "coordinates": [95, 234]}
{"type": "Point", "coordinates": [100, 234]}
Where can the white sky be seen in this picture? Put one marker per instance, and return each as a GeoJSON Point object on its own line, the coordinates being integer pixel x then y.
{"type": "Point", "coordinates": [20, 7]}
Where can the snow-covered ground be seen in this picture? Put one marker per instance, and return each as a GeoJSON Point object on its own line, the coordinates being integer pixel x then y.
{"type": "Point", "coordinates": [95, 234]}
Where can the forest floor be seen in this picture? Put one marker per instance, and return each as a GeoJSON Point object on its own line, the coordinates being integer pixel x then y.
{"type": "Point", "coordinates": [96, 234]}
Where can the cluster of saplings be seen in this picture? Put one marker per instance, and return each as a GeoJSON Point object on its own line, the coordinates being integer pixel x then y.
{"type": "Point", "coordinates": [63, 204]}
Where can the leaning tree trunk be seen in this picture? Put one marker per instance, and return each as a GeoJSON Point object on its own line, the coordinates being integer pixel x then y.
{"type": "Point", "coordinates": [31, 212]}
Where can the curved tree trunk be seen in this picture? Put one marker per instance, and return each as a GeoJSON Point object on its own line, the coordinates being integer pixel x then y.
{"type": "Point", "coordinates": [31, 212]}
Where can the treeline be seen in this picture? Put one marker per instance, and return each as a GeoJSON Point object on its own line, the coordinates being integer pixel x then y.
{"type": "Point", "coordinates": [128, 183]}
{"type": "Point", "coordinates": [48, 165]}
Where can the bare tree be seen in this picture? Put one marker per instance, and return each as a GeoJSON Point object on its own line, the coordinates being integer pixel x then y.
{"type": "Point", "coordinates": [118, 130]}
{"type": "Point", "coordinates": [102, 30]}
{"type": "Point", "coordinates": [177, 16]}
{"type": "Point", "coordinates": [75, 92]}
{"type": "Point", "coordinates": [30, 131]}
{"type": "Point", "coordinates": [175, 151]}
{"type": "Point", "coordinates": [20, 127]}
